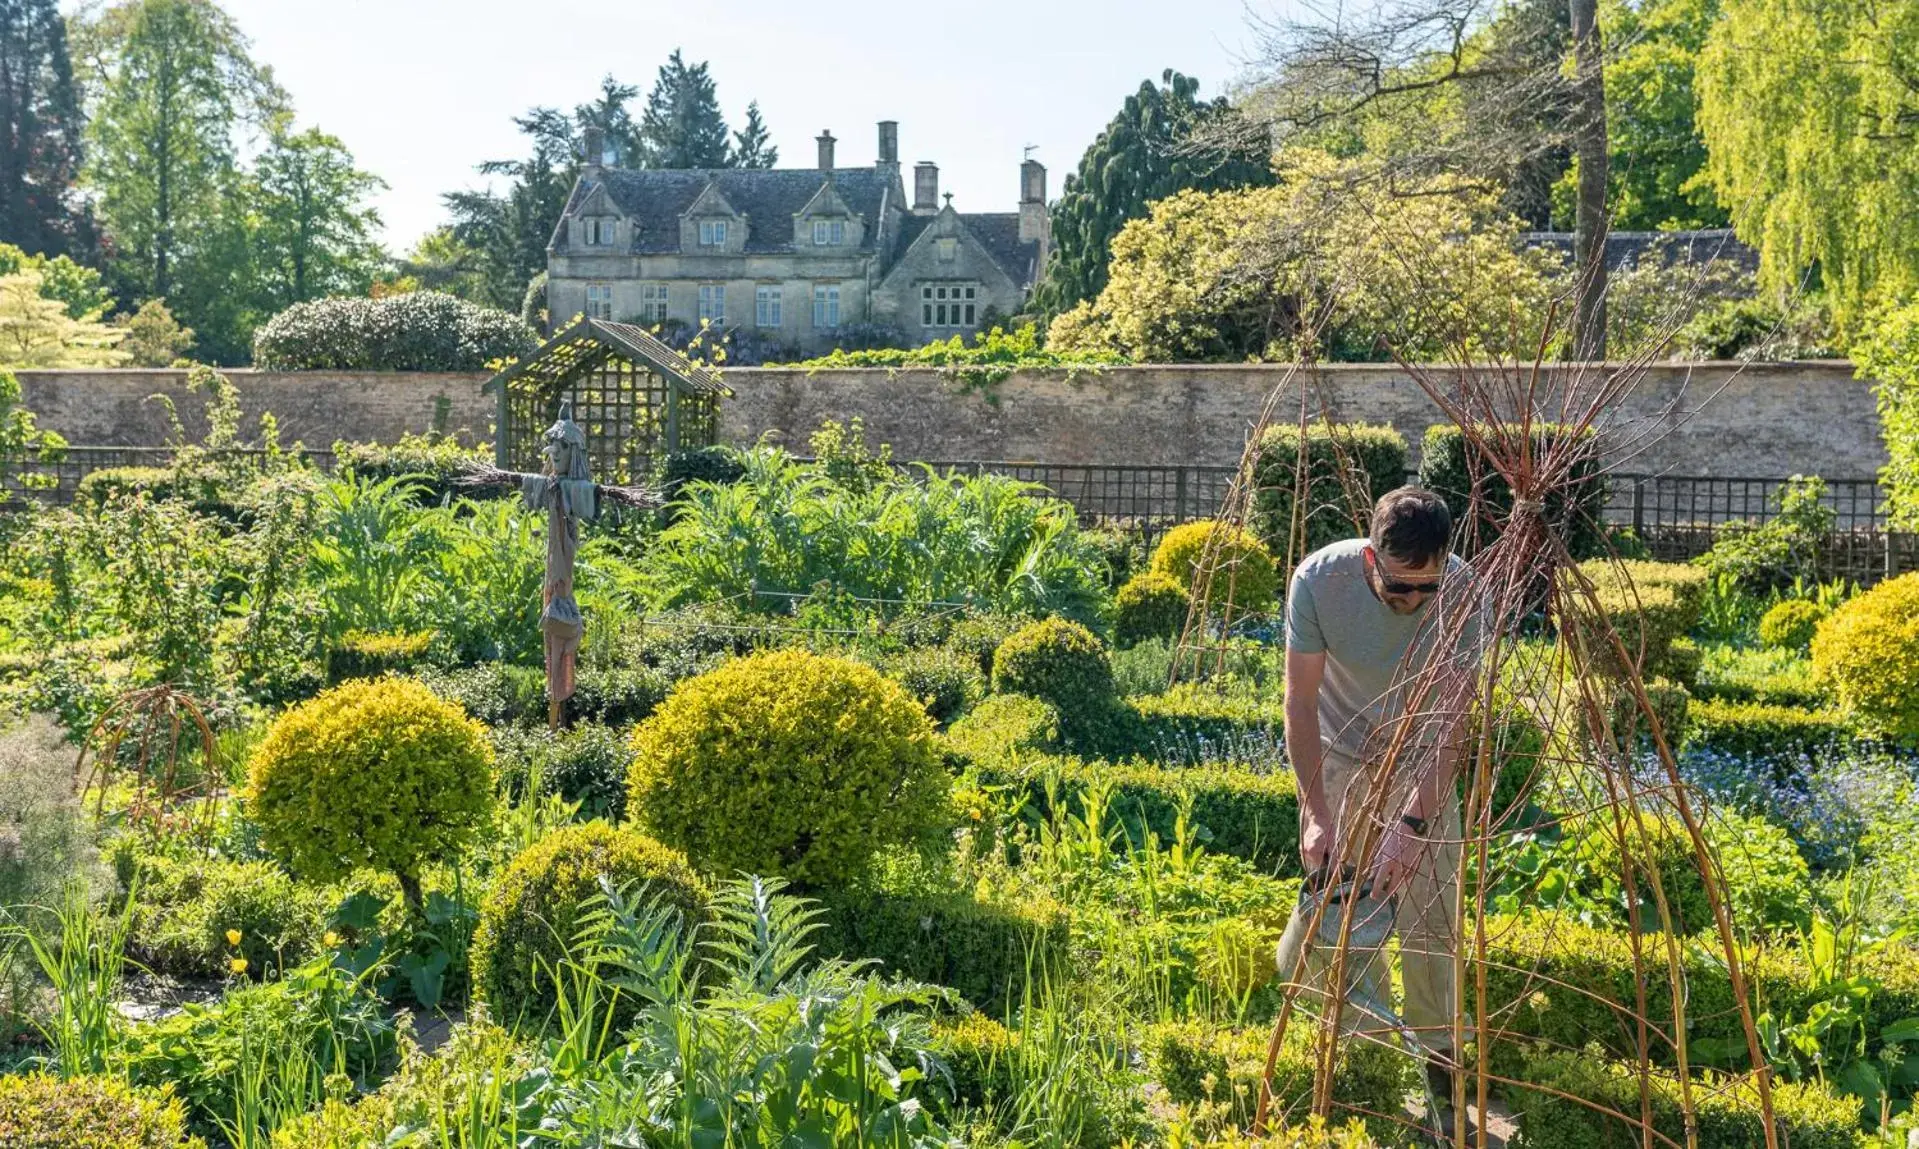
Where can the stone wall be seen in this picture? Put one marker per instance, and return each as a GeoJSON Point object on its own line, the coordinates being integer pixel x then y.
{"type": "Point", "coordinates": [1759, 421]}
{"type": "Point", "coordinates": [1725, 419]}
{"type": "Point", "coordinates": [113, 408]}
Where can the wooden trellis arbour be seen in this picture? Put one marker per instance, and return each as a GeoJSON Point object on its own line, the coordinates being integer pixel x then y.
{"type": "Point", "coordinates": [636, 398]}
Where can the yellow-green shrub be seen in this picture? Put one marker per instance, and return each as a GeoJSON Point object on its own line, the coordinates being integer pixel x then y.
{"type": "Point", "coordinates": [1759, 729]}
{"type": "Point", "coordinates": [40, 1111]}
{"type": "Point", "coordinates": [369, 654]}
{"type": "Point", "coordinates": [787, 763]}
{"type": "Point", "coordinates": [1790, 625]}
{"type": "Point", "coordinates": [1726, 1113]}
{"type": "Point", "coordinates": [1152, 604]}
{"type": "Point", "coordinates": [1064, 664]}
{"type": "Point", "coordinates": [985, 948]}
{"type": "Point", "coordinates": [1195, 1064]}
{"type": "Point", "coordinates": [1869, 651]}
{"type": "Point", "coordinates": [1243, 570]}
{"type": "Point", "coordinates": [380, 773]}
{"type": "Point", "coordinates": [533, 911]}
{"type": "Point", "coordinates": [1649, 604]}
{"type": "Point", "coordinates": [1006, 726]}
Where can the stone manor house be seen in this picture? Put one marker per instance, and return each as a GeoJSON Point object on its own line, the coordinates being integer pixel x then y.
{"type": "Point", "coordinates": [795, 253]}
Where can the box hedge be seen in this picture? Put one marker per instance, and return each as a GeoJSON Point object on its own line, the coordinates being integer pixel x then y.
{"type": "Point", "coordinates": [1762, 730]}
{"type": "Point", "coordinates": [430, 463]}
{"type": "Point", "coordinates": [1371, 458]}
{"type": "Point", "coordinates": [1064, 664]}
{"type": "Point", "coordinates": [1368, 1078]}
{"type": "Point", "coordinates": [1572, 984]}
{"type": "Point", "coordinates": [1452, 468]}
{"type": "Point", "coordinates": [1243, 576]}
{"type": "Point", "coordinates": [1726, 1114]}
{"type": "Point", "coordinates": [1780, 677]}
{"type": "Point", "coordinates": [1247, 815]}
{"type": "Point", "coordinates": [984, 950]}
{"type": "Point", "coordinates": [1152, 604]}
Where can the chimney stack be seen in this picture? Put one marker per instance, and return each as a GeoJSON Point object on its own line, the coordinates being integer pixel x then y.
{"type": "Point", "coordinates": [1034, 222]}
{"type": "Point", "coordinates": [593, 148]}
{"type": "Point", "coordinates": [826, 150]}
{"type": "Point", "coordinates": [926, 188]}
{"type": "Point", "coordinates": [889, 143]}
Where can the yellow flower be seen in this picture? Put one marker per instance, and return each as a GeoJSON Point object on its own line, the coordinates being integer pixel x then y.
{"type": "Point", "coordinates": [233, 937]}
{"type": "Point", "coordinates": [330, 939]}
{"type": "Point", "coordinates": [705, 323]}
{"type": "Point", "coordinates": [237, 965]}
{"type": "Point", "coordinates": [720, 355]}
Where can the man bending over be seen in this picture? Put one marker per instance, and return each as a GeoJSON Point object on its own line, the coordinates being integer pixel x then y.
{"type": "Point", "coordinates": [1370, 622]}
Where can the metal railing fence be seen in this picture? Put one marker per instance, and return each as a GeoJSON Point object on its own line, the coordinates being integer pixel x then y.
{"type": "Point", "coordinates": [1676, 516]}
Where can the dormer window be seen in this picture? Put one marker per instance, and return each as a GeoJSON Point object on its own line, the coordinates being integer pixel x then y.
{"type": "Point", "coordinates": [712, 233]}
{"type": "Point", "coordinates": [596, 232]}
{"type": "Point", "coordinates": [829, 232]}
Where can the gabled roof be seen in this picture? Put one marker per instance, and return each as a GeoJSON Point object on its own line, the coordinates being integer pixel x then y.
{"type": "Point", "coordinates": [584, 340]}
{"type": "Point", "coordinates": [769, 199]}
{"type": "Point", "coordinates": [998, 233]}
{"type": "Point", "coordinates": [995, 231]}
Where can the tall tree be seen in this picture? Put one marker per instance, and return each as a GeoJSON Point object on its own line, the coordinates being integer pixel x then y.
{"type": "Point", "coordinates": [619, 135]}
{"type": "Point", "coordinates": [751, 144]}
{"type": "Point", "coordinates": [1591, 152]}
{"type": "Point", "coordinates": [441, 262]}
{"type": "Point", "coordinates": [313, 233]}
{"type": "Point", "coordinates": [508, 231]}
{"type": "Point", "coordinates": [1658, 157]}
{"type": "Point", "coordinates": [40, 131]}
{"type": "Point", "coordinates": [1516, 98]}
{"type": "Point", "coordinates": [1142, 156]}
{"type": "Point", "coordinates": [1810, 113]}
{"type": "Point", "coordinates": [177, 80]}
{"type": "Point", "coordinates": [682, 126]}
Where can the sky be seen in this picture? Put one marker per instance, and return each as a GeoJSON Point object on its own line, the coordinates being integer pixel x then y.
{"type": "Point", "coordinates": [421, 90]}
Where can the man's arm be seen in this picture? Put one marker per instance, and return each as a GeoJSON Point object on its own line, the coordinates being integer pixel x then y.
{"type": "Point", "coordinates": [1304, 672]}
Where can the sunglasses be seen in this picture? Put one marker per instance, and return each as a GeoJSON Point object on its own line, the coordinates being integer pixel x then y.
{"type": "Point", "coordinates": [1391, 585]}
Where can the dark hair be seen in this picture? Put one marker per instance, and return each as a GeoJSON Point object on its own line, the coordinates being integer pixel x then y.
{"type": "Point", "coordinates": [1412, 525]}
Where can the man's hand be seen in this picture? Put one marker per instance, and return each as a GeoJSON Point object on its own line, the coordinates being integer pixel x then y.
{"type": "Point", "coordinates": [1318, 840]}
{"type": "Point", "coordinates": [1401, 853]}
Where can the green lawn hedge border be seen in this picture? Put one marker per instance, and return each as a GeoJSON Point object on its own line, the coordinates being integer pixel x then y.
{"type": "Point", "coordinates": [984, 950]}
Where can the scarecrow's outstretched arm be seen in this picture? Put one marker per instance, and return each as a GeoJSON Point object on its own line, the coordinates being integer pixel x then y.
{"type": "Point", "coordinates": [485, 475]}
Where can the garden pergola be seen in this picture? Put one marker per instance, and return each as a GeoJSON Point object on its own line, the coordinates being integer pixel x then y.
{"type": "Point", "coordinates": [635, 397]}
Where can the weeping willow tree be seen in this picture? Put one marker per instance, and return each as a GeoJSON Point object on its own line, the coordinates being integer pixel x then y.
{"type": "Point", "coordinates": [1810, 113]}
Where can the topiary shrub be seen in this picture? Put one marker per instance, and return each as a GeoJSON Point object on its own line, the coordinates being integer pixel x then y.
{"type": "Point", "coordinates": [1454, 470]}
{"type": "Point", "coordinates": [1650, 606]}
{"type": "Point", "coordinates": [42, 1111]}
{"type": "Point", "coordinates": [415, 331]}
{"type": "Point", "coordinates": [1063, 664]}
{"type": "Point", "coordinates": [1790, 625]}
{"type": "Point", "coordinates": [1372, 459]}
{"type": "Point", "coordinates": [1242, 570]}
{"type": "Point", "coordinates": [430, 463]}
{"type": "Point", "coordinates": [788, 763]}
{"type": "Point", "coordinates": [380, 773]}
{"type": "Point", "coordinates": [1006, 726]}
{"type": "Point", "coordinates": [1869, 651]}
{"type": "Point", "coordinates": [534, 910]}
{"type": "Point", "coordinates": [1196, 1064]}
{"type": "Point", "coordinates": [1152, 604]}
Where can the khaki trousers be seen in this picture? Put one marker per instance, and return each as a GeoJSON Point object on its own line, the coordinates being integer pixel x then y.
{"type": "Point", "coordinates": [1423, 920]}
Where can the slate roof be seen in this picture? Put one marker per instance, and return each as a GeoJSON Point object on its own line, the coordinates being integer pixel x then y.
{"type": "Point", "coordinates": [1630, 248]}
{"type": "Point", "coordinates": [997, 232]}
{"type": "Point", "coordinates": [768, 198]}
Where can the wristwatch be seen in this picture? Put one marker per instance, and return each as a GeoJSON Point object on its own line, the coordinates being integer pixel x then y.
{"type": "Point", "coordinates": [1418, 825]}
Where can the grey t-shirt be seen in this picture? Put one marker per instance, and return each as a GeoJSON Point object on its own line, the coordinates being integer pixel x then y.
{"type": "Point", "coordinates": [1330, 607]}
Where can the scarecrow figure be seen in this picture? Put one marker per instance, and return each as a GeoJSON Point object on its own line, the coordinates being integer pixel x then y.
{"type": "Point", "coordinates": [565, 490]}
